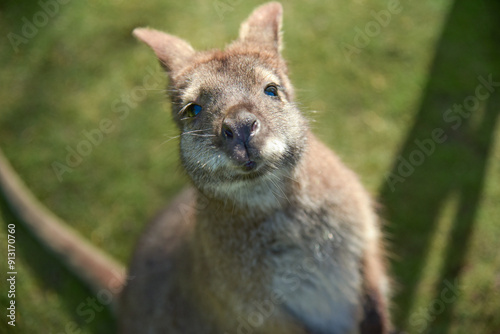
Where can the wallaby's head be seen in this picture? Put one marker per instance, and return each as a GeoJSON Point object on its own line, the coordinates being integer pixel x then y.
{"type": "Point", "coordinates": [240, 130]}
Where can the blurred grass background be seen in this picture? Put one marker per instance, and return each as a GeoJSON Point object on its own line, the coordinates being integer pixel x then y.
{"type": "Point", "coordinates": [442, 221]}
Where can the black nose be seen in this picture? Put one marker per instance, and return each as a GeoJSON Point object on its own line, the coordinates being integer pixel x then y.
{"type": "Point", "coordinates": [238, 128]}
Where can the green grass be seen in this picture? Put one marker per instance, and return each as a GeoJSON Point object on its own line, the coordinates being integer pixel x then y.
{"type": "Point", "coordinates": [442, 221]}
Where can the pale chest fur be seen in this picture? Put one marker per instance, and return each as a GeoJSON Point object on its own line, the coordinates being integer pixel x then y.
{"type": "Point", "coordinates": [299, 263]}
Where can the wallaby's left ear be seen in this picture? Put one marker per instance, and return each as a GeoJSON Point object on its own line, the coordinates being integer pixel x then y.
{"type": "Point", "coordinates": [173, 52]}
{"type": "Point", "coordinates": [263, 26]}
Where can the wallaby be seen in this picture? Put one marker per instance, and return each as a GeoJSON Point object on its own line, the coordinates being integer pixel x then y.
{"type": "Point", "coordinates": [275, 235]}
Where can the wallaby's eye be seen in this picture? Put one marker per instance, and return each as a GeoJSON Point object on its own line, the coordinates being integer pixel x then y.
{"type": "Point", "coordinates": [271, 90]}
{"type": "Point", "coordinates": [193, 109]}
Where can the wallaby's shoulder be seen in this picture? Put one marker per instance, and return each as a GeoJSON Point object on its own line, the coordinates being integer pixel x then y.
{"type": "Point", "coordinates": [158, 263]}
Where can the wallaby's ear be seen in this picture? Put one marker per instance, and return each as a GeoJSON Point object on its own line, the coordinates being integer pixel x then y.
{"type": "Point", "coordinates": [264, 26]}
{"type": "Point", "coordinates": [173, 52]}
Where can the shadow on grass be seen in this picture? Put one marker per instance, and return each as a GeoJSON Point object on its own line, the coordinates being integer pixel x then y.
{"type": "Point", "coordinates": [51, 275]}
{"type": "Point", "coordinates": [445, 155]}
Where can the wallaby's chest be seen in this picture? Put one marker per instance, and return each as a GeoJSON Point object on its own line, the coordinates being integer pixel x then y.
{"type": "Point", "coordinates": [290, 264]}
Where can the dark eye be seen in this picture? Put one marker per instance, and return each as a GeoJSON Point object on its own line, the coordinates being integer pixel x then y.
{"type": "Point", "coordinates": [271, 90]}
{"type": "Point", "coordinates": [193, 109]}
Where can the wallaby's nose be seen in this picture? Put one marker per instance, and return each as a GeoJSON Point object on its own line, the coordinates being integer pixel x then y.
{"type": "Point", "coordinates": [238, 128]}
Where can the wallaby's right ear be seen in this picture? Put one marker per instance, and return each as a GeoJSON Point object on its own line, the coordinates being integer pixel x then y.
{"type": "Point", "coordinates": [173, 52]}
{"type": "Point", "coordinates": [263, 26]}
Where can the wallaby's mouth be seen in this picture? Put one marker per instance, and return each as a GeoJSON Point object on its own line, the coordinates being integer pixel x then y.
{"type": "Point", "coordinates": [249, 166]}
{"type": "Point", "coordinates": [252, 170]}
{"type": "Point", "coordinates": [258, 158]}
{"type": "Point", "coordinates": [249, 176]}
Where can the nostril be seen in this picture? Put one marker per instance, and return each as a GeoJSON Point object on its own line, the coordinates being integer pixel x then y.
{"type": "Point", "coordinates": [227, 132]}
{"type": "Point", "coordinates": [254, 127]}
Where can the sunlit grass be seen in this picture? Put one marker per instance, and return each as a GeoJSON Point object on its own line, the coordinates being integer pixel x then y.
{"type": "Point", "coordinates": [67, 78]}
